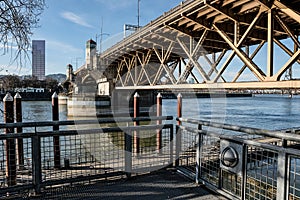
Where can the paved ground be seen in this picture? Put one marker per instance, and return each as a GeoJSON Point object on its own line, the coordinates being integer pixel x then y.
{"type": "Point", "coordinates": [164, 184]}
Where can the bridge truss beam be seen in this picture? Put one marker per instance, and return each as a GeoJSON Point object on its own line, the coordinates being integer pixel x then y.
{"type": "Point", "coordinates": [201, 41]}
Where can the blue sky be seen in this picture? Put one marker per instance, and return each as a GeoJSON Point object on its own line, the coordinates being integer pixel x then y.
{"type": "Point", "coordinates": [67, 24]}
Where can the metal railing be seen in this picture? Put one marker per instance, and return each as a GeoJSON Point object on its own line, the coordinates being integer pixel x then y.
{"type": "Point", "coordinates": [240, 162]}
{"type": "Point", "coordinates": [88, 150]}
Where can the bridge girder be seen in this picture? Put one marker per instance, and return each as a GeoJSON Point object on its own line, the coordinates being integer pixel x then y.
{"type": "Point", "coordinates": [185, 42]}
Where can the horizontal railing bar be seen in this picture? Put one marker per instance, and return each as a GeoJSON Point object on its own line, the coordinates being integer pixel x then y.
{"type": "Point", "coordinates": [103, 130]}
{"type": "Point", "coordinates": [125, 114]}
{"type": "Point", "coordinates": [84, 131]}
{"type": "Point", "coordinates": [81, 122]}
{"type": "Point", "coordinates": [243, 129]}
{"type": "Point", "coordinates": [16, 135]}
{"type": "Point", "coordinates": [243, 141]}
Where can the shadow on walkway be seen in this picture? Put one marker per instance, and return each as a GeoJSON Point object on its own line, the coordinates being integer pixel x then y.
{"type": "Point", "coordinates": [163, 184]}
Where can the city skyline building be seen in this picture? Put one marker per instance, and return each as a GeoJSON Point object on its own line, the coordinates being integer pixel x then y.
{"type": "Point", "coordinates": [38, 59]}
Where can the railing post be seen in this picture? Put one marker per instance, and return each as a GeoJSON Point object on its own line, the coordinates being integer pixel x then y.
{"type": "Point", "coordinates": [18, 114]}
{"type": "Point", "coordinates": [198, 155]}
{"type": "Point", "coordinates": [10, 146]}
{"type": "Point", "coordinates": [36, 164]}
{"type": "Point", "coordinates": [178, 130]}
{"type": "Point", "coordinates": [282, 174]}
{"type": "Point", "coordinates": [56, 143]}
{"type": "Point", "coordinates": [136, 113]}
{"type": "Point", "coordinates": [171, 145]}
{"type": "Point", "coordinates": [128, 154]}
{"type": "Point", "coordinates": [159, 132]}
{"type": "Point", "coordinates": [179, 108]}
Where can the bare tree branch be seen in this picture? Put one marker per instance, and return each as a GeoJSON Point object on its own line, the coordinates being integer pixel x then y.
{"type": "Point", "coordinates": [17, 19]}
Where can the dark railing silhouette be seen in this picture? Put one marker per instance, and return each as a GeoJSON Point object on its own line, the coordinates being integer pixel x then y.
{"type": "Point", "coordinates": [265, 164]}
{"type": "Point", "coordinates": [237, 162]}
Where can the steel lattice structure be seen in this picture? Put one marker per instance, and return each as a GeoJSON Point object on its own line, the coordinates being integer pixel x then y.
{"type": "Point", "coordinates": [166, 53]}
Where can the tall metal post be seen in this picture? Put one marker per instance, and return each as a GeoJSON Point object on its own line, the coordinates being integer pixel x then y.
{"type": "Point", "coordinates": [36, 164]}
{"type": "Point", "coordinates": [198, 155]}
{"type": "Point", "coordinates": [178, 131]}
{"type": "Point", "coordinates": [56, 143]}
{"type": "Point", "coordinates": [138, 17]}
{"type": "Point", "coordinates": [136, 113]}
{"type": "Point", "coordinates": [179, 108]}
{"type": "Point", "coordinates": [18, 113]}
{"type": "Point", "coordinates": [159, 132]}
{"type": "Point", "coordinates": [10, 146]}
{"type": "Point", "coordinates": [128, 154]}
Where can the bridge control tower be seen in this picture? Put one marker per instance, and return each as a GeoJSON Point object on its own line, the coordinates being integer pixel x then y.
{"type": "Point", "coordinates": [92, 78]}
{"type": "Point", "coordinates": [91, 55]}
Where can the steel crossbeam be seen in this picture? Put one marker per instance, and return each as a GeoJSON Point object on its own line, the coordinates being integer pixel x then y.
{"type": "Point", "coordinates": [173, 46]}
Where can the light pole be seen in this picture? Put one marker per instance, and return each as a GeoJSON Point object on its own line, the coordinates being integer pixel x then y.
{"type": "Point", "coordinates": [101, 36]}
{"type": "Point", "coordinates": [138, 13]}
{"type": "Point", "coordinates": [130, 27]}
{"type": "Point", "coordinates": [76, 61]}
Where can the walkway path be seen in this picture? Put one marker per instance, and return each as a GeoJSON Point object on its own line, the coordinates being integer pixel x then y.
{"type": "Point", "coordinates": [164, 184]}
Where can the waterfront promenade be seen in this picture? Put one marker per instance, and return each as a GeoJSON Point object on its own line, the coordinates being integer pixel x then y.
{"type": "Point", "coordinates": [162, 184]}
{"type": "Point", "coordinates": [59, 160]}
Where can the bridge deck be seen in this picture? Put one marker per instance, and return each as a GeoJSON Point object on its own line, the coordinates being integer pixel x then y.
{"type": "Point", "coordinates": [192, 18]}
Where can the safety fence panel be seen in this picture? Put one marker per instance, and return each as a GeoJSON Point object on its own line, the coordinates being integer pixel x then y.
{"type": "Point", "coordinates": [253, 164]}
{"type": "Point", "coordinates": [294, 178]}
{"type": "Point", "coordinates": [66, 157]}
{"type": "Point", "coordinates": [262, 165]}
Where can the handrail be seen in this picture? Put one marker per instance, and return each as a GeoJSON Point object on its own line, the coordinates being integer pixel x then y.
{"type": "Point", "coordinates": [240, 140]}
{"type": "Point", "coordinates": [244, 129]}
{"type": "Point", "coordinates": [83, 131]}
{"type": "Point", "coordinates": [81, 122]}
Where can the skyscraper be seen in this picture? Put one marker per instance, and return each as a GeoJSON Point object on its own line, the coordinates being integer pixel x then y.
{"type": "Point", "coordinates": [38, 59]}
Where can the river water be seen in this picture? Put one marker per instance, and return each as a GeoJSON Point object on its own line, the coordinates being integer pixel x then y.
{"type": "Point", "coordinates": [271, 112]}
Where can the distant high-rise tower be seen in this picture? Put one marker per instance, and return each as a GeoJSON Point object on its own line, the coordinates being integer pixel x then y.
{"type": "Point", "coordinates": [38, 59]}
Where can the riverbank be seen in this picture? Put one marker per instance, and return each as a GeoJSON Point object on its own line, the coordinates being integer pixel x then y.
{"type": "Point", "coordinates": [166, 95]}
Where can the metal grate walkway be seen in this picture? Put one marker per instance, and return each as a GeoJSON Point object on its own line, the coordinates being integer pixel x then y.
{"type": "Point", "coordinates": [163, 184]}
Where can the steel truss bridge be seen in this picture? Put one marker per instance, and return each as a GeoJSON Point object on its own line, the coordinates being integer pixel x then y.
{"type": "Point", "coordinates": [170, 51]}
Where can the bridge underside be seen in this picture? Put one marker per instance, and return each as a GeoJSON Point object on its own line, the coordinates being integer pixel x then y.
{"type": "Point", "coordinates": [204, 43]}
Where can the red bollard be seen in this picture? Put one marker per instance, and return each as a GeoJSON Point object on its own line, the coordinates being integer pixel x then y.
{"type": "Point", "coordinates": [56, 143]}
{"type": "Point", "coordinates": [178, 132]}
{"type": "Point", "coordinates": [159, 114]}
{"type": "Point", "coordinates": [18, 114]}
{"type": "Point", "coordinates": [179, 108]}
{"type": "Point", "coordinates": [136, 113]}
{"type": "Point", "coordinates": [10, 146]}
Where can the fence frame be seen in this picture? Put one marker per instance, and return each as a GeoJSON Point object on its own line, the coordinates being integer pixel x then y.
{"type": "Point", "coordinates": [284, 153]}
{"type": "Point", "coordinates": [38, 184]}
